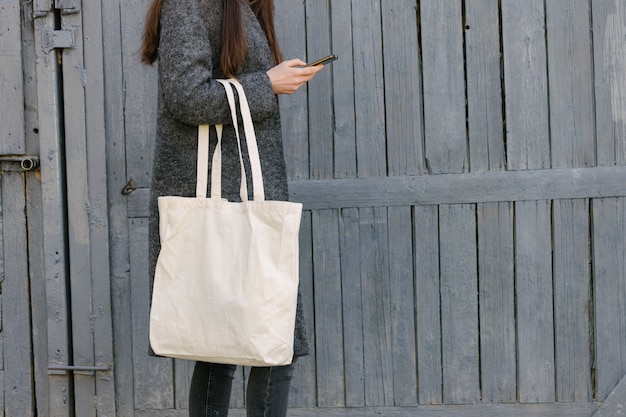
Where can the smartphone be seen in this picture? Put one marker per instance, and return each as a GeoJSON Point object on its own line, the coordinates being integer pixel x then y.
{"type": "Point", "coordinates": [324, 61]}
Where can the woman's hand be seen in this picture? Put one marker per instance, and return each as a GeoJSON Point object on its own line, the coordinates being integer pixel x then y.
{"type": "Point", "coordinates": [287, 76]}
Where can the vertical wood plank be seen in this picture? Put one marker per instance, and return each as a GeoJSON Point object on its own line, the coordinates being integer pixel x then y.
{"type": "Point", "coordinates": [526, 84]}
{"type": "Point", "coordinates": [352, 308]}
{"type": "Point", "coordinates": [497, 302]}
{"type": "Point", "coordinates": [154, 380]}
{"type": "Point", "coordinates": [328, 310]}
{"type": "Point", "coordinates": [376, 293]}
{"type": "Point", "coordinates": [401, 282]}
{"type": "Point", "coordinates": [484, 86]}
{"type": "Point", "coordinates": [303, 387]}
{"type": "Point", "coordinates": [572, 286]}
{"type": "Point", "coordinates": [427, 283]}
{"type": "Point", "coordinates": [291, 32]}
{"type": "Point", "coordinates": [444, 86]}
{"type": "Point", "coordinates": [183, 370]}
{"type": "Point", "coordinates": [609, 31]}
{"type": "Point", "coordinates": [343, 90]}
{"type": "Point", "coordinates": [54, 218]}
{"type": "Point", "coordinates": [320, 91]}
{"type": "Point", "coordinates": [18, 368]}
{"type": "Point", "coordinates": [11, 81]}
{"type": "Point", "coordinates": [534, 301]}
{"type": "Point", "coordinates": [459, 304]}
{"type": "Point", "coordinates": [369, 88]}
{"type": "Point", "coordinates": [118, 224]}
{"type": "Point", "coordinates": [140, 95]}
{"type": "Point", "coordinates": [403, 95]}
{"type": "Point", "coordinates": [609, 269]}
{"type": "Point", "coordinates": [571, 84]}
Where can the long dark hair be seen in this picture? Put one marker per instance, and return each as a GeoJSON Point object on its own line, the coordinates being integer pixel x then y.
{"type": "Point", "coordinates": [234, 45]}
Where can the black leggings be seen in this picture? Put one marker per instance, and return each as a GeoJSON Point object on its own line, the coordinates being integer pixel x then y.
{"type": "Point", "coordinates": [267, 393]}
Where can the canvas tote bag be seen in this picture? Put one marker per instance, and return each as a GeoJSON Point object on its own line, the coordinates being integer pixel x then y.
{"type": "Point", "coordinates": [226, 280]}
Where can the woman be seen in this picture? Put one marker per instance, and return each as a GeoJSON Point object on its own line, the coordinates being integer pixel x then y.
{"type": "Point", "coordinates": [197, 42]}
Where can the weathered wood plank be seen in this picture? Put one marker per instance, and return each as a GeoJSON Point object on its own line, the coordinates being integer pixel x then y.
{"type": "Point", "coordinates": [614, 405]}
{"type": "Point", "coordinates": [352, 308]}
{"type": "Point", "coordinates": [571, 84]}
{"type": "Point", "coordinates": [303, 386]}
{"type": "Point", "coordinates": [153, 377]}
{"type": "Point", "coordinates": [484, 86]}
{"type": "Point", "coordinates": [487, 410]}
{"type": "Point", "coordinates": [118, 224]}
{"type": "Point", "coordinates": [328, 310]}
{"type": "Point", "coordinates": [376, 293]}
{"type": "Point", "coordinates": [18, 366]}
{"type": "Point", "coordinates": [526, 84]}
{"type": "Point", "coordinates": [572, 295]}
{"type": "Point", "coordinates": [496, 286]}
{"type": "Point", "coordinates": [343, 90]}
{"type": "Point", "coordinates": [369, 88]}
{"type": "Point", "coordinates": [291, 32]}
{"type": "Point", "coordinates": [401, 282]}
{"type": "Point", "coordinates": [427, 283]}
{"type": "Point", "coordinates": [459, 304]}
{"type": "Point", "coordinates": [140, 95]}
{"type": "Point", "coordinates": [609, 269]}
{"type": "Point", "coordinates": [54, 219]}
{"type": "Point", "coordinates": [320, 91]}
{"type": "Point", "coordinates": [609, 31]}
{"type": "Point", "coordinates": [534, 302]}
{"type": "Point", "coordinates": [444, 86]}
{"type": "Point", "coordinates": [403, 95]}
{"type": "Point", "coordinates": [11, 81]}
{"type": "Point", "coordinates": [444, 189]}
{"type": "Point", "coordinates": [183, 370]}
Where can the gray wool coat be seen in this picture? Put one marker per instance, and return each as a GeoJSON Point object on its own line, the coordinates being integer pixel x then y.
{"type": "Point", "coordinates": [188, 59]}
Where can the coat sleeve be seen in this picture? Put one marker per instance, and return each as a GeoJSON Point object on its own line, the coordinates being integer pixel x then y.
{"type": "Point", "coordinates": [188, 89]}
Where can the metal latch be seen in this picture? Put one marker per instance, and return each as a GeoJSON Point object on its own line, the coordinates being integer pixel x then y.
{"type": "Point", "coordinates": [57, 39]}
{"type": "Point", "coordinates": [18, 162]}
{"type": "Point", "coordinates": [67, 6]}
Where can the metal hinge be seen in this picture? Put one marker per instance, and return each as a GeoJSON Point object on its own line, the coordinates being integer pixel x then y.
{"type": "Point", "coordinates": [58, 39]}
{"type": "Point", "coordinates": [67, 6]}
{"type": "Point", "coordinates": [13, 163]}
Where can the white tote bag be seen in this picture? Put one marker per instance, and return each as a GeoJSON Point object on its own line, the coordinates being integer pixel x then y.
{"type": "Point", "coordinates": [226, 280]}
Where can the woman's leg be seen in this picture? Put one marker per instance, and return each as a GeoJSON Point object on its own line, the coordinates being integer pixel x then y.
{"type": "Point", "coordinates": [209, 394]}
{"type": "Point", "coordinates": [268, 391]}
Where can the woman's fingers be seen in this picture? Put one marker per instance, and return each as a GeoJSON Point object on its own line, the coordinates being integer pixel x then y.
{"type": "Point", "coordinates": [290, 75]}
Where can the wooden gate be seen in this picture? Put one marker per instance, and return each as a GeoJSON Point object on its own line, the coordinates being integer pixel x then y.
{"type": "Point", "coordinates": [56, 334]}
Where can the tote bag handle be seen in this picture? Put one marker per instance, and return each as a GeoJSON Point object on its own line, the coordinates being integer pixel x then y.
{"type": "Point", "coordinates": [251, 143]}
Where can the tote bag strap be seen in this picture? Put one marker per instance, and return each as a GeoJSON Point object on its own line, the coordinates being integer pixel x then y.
{"type": "Point", "coordinates": [203, 162]}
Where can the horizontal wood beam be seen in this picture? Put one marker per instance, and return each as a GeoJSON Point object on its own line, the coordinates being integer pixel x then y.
{"type": "Point", "coordinates": [483, 410]}
{"type": "Point", "coordinates": [484, 187]}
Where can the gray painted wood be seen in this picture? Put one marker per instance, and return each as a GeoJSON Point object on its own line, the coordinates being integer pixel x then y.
{"type": "Point", "coordinates": [291, 32]}
{"type": "Point", "coordinates": [17, 378]}
{"type": "Point", "coordinates": [444, 86]}
{"type": "Point", "coordinates": [54, 249]}
{"type": "Point", "coordinates": [572, 293]}
{"type": "Point", "coordinates": [526, 84]}
{"type": "Point", "coordinates": [484, 86]}
{"type": "Point", "coordinates": [496, 298]}
{"type": "Point", "coordinates": [352, 304]}
{"type": "Point", "coordinates": [609, 268]}
{"type": "Point", "coordinates": [608, 18]}
{"type": "Point", "coordinates": [459, 304]}
{"type": "Point", "coordinates": [428, 296]}
{"type": "Point", "coordinates": [401, 277]}
{"type": "Point", "coordinates": [491, 410]}
{"type": "Point", "coordinates": [368, 88]}
{"type": "Point", "coordinates": [534, 302]}
{"type": "Point", "coordinates": [615, 403]}
{"type": "Point", "coordinates": [403, 95]}
{"type": "Point", "coordinates": [376, 296]}
{"type": "Point", "coordinates": [320, 91]}
{"type": "Point", "coordinates": [571, 83]}
{"type": "Point", "coordinates": [344, 86]}
{"type": "Point", "coordinates": [328, 320]}
{"type": "Point", "coordinates": [11, 82]}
